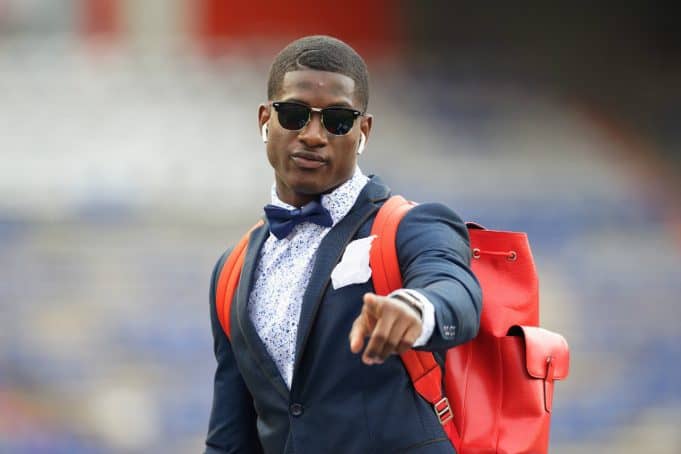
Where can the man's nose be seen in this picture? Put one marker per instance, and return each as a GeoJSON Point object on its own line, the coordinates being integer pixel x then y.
{"type": "Point", "coordinates": [314, 134]}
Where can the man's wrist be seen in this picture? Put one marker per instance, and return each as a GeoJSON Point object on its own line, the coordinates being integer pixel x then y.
{"type": "Point", "coordinates": [427, 313]}
{"type": "Point", "coordinates": [409, 300]}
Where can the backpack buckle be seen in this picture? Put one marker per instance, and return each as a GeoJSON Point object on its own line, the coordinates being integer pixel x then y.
{"type": "Point", "coordinates": [443, 411]}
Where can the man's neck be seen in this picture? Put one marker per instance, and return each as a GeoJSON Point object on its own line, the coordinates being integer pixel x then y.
{"type": "Point", "coordinates": [296, 199]}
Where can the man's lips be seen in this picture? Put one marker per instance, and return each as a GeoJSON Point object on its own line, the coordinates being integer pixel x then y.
{"type": "Point", "coordinates": [308, 160]}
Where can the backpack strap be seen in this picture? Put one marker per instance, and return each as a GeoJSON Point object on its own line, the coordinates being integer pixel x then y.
{"type": "Point", "coordinates": [229, 279]}
{"type": "Point", "coordinates": [423, 369]}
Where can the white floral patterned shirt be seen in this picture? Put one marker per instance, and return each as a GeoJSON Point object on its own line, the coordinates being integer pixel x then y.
{"type": "Point", "coordinates": [283, 273]}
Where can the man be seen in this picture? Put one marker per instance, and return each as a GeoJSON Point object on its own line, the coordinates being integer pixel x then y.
{"type": "Point", "coordinates": [312, 363]}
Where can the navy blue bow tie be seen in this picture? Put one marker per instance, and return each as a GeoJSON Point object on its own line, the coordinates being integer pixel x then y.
{"type": "Point", "coordinates": [282, 220]}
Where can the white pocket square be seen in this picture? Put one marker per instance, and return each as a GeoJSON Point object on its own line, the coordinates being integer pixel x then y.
{"type": "Point", "coordinates": [354, 265]}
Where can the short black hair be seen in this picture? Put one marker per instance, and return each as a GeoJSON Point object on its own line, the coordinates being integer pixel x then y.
{"type": "Point", "coordinates": [323, 53]}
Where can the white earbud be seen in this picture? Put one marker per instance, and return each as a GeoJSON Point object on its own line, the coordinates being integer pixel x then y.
{"type": "Point", "coordinates": [362, 142]}
{"type": "Point", "coordinates": [263, 131]}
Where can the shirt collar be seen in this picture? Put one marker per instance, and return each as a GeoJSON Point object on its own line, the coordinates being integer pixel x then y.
{"type": "Point", "coordinates": [339, 201]}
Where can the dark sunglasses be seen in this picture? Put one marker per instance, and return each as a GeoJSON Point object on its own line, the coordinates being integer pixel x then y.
{"type": "Point", "coordinates": [294, 116]}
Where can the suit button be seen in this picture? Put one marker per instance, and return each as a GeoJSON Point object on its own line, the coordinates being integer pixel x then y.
{"type": "Point", "coordinates": [296, 409]}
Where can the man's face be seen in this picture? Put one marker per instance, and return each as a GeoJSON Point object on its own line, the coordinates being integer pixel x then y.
{"type": "Point", "coordinates": [312, 161]}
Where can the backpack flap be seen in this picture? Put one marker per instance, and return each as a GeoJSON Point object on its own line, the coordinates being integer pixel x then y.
{"type": "Point", "coordinates": [547, 357]}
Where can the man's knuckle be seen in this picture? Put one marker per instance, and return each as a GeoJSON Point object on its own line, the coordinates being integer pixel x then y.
{"type": "Point", "coordinates": [404, 346]}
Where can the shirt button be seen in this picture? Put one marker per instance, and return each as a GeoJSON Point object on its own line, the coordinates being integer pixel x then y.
{"type": "Point", "coordinates": [296, 409]}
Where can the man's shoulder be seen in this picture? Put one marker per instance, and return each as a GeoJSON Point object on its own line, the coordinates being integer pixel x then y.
{"type": "Point", "coordinates": [379, 192]}
{"type": "Point", "coordinates": [430, 223]}
{"type": "Point", "coordinates": [433, 211]}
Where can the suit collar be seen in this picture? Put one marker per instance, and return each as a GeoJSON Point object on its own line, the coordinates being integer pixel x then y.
{"type": "Point", "coordinates": [251, 337]}
{"type": "Point", "coordinates": [374, 191]}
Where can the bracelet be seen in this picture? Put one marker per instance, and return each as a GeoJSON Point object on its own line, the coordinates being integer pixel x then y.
{"type": "Point", "coordinates": [410, 301]}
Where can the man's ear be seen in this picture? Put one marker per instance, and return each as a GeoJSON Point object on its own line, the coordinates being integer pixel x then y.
{"type": "Point", "coordinates": [365, 125]}
{"type": "Point", "coordinates": [264, 113]}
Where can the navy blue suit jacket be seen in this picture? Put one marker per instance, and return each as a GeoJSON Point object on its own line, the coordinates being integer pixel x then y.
{"type": "Point", "coordinates": [336, 403]}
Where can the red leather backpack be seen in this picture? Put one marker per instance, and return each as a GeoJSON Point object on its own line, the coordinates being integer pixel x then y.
{"type": "Point", "coordinates": [496, 393]}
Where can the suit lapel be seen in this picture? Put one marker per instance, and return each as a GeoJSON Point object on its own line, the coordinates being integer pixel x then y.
{"type": "Point", "coordinates": [328, 255]}
{"type": "Point", "coordinates": [251, 337]}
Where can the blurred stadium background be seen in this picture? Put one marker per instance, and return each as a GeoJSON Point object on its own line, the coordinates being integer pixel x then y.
{"type": "Point", "coordinates": [130, 158]}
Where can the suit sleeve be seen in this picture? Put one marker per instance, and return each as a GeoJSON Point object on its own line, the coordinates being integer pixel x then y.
{"type": "Point", "coordinates": [232, 426]}
{"type": "Point", "coordinates": [434, 253]}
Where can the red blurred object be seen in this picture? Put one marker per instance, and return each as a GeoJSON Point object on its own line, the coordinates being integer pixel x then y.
{"type": "Point", "coordinates": [370, 27]}
{"type": "Point", "coordinates": [229, 280]}
{"type": "Point", "coordinates": [101, 18]}
{"type": "Point", "coordinates": [499, 386]}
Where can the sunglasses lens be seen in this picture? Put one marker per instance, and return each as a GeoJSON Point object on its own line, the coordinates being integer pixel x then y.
{"type": "Point", "coordinates": [338, 121]}
{"type": "Point", "coordinates": [292, 116]}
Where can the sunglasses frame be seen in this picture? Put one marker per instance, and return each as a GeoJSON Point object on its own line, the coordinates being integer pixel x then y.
{"type": "Point", "coordinates": [356, 114]}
